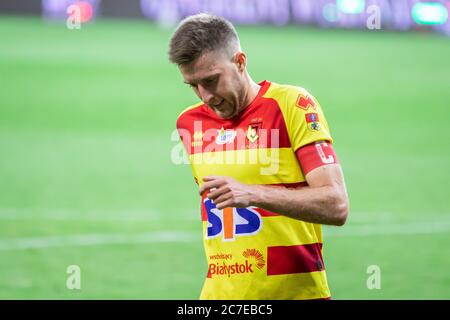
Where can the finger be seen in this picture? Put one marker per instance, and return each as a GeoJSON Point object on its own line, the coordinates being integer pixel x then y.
{"type": "Point", "coordinates": [219, 191]}
{"type": "Point", "coordinates": [210, 185]}
{"type": "Point", "coordinates": [222, 198]}
{"type": "Point", "coordinates": [205, 186]}
{"type": "Point", "coordinates": [225, 204]}
{"type": "Point", "coordinates": [210, 178]}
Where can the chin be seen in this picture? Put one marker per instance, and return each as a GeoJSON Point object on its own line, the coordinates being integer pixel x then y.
{"type": "Point", "coordinates": [231, 116]}
{"type": "Point", "coordinates": [227, 115]}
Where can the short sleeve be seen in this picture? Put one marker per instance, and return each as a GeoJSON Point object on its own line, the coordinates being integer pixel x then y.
{"type": "Point", "coordinates": [305, 120]}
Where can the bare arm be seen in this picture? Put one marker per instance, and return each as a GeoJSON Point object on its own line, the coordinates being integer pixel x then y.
{"type": "Point", "coordinates": [324, 201]}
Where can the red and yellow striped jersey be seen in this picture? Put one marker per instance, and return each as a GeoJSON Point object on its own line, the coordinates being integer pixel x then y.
{"type": "Point", "coordinates": [253, 253]}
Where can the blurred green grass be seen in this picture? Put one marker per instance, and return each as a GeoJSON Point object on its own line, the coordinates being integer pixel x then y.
{"type": "Point", "coordinates": [86, 119]}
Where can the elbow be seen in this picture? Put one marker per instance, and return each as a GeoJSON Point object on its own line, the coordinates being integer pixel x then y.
{"type": "Point", "coordinates": [341, 210]}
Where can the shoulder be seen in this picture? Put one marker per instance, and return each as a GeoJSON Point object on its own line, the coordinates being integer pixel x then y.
{"type": "Point", "coordinates": [289, 96]}
{"type": "Point", "coordinates": [190, 113]}
{"type": "Point", "coordinates": [303, 116]}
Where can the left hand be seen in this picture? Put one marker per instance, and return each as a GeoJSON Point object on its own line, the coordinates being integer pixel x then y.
{"type": "Point", "coordinates": [228, 192]}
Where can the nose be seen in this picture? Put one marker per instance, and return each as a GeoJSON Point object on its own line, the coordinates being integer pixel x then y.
{"type": "Point", "coordinates": [204, 94]}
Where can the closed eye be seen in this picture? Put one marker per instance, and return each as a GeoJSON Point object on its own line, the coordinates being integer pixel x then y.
{"type": "Point", "coordinates": [207, 82]}
{"type": "Point", "coordinates": [210, 81]}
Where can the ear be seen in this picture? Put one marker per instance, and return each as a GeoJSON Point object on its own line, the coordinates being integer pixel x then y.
{"type": "Point", "coordinates": [241, 61]}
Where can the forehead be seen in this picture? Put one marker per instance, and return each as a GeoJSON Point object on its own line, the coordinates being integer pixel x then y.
{"type": "Point", "coordinates": [208, 64]}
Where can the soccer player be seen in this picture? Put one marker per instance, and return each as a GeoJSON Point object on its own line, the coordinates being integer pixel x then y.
{"type": "Point", "coordinates": [268, 177]}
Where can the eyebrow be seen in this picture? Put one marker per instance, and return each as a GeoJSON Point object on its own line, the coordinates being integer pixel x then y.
{"type": "Point", "coordinates": [215, 75]}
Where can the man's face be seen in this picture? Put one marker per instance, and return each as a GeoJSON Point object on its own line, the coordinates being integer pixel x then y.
{"type": "Point", "coordinates": [218, 81]}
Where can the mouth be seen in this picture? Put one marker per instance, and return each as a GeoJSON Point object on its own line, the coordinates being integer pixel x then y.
{"type": "Point", "coordinates": [223, 110]}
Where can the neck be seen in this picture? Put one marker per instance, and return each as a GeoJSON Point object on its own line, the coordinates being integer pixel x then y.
{"type": "Point", "coordinates": [250, 93]}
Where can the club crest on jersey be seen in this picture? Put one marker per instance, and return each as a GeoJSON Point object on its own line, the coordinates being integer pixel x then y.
{"type": "Point", "coordinates": [252, 133]}
{"type": "Point", "coordinates": [305, 102]}
{"type": "Point", "coordinates": [312, 119]}
{"type": "Point", "coordinates": [231, 222]}
{"type": "Point", "coordinates": [225, 136]}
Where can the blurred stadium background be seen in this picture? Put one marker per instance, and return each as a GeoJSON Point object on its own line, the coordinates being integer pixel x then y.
{"type": "Point", "coordinates": [88, 104]}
